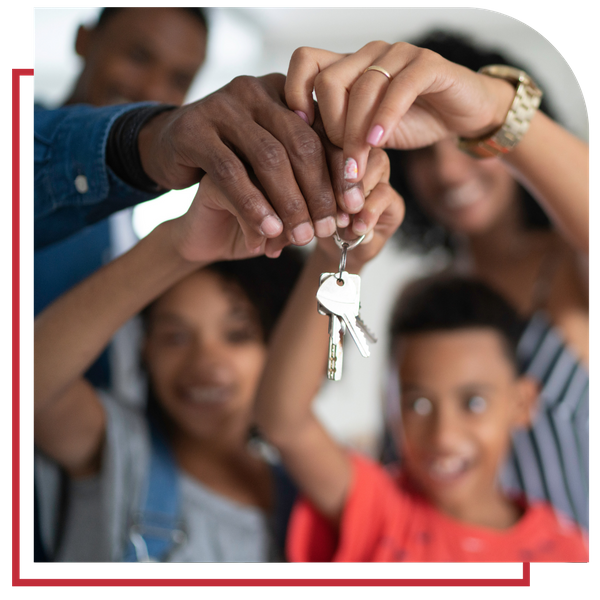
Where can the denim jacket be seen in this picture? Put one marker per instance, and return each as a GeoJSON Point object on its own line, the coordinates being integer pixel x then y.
{"type": "Point", "coordinates": [73, 186]}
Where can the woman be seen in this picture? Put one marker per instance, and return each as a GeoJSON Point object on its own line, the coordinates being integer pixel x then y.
{"type": "Point", "coordinates": [406, 97]}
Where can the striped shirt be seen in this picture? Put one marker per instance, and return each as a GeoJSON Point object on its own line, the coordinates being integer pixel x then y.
{"type": "Point", "coordinates": [550, 461]}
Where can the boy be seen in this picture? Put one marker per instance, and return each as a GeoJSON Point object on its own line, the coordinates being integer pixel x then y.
{"type": "Point", "coordinates": [454, 344]}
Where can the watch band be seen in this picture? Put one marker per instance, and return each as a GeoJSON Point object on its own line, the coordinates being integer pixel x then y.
{"type": "Point", "coordinates": [527, 100]}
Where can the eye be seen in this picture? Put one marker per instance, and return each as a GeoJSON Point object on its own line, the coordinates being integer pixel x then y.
{"type": "Point", "coordinates": [422, 406]}
{"type": "Point", "coordinates": [477, 404]}
{"type": "Point", "coordinates": [139, 56]}
{"type": "Point", "coordinates": [241, 336]}
{"type": "Point", "coordinates": [172, 338]}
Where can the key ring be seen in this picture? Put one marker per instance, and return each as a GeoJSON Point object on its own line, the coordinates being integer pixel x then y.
{"type": "Point", "coordinates": [345, 246]}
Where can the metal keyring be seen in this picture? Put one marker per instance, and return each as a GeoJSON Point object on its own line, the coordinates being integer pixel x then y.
{"type": "Point", "coordinates": [345, 246]}
{"type": "Point", "coordinates": [349, 245]}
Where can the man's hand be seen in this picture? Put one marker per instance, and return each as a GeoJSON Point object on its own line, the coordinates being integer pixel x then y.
{"type": "Point", "coordinates": [245, 127]}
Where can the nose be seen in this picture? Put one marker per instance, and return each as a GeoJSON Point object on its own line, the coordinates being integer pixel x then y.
{"type": "Point", "coordinates": [446, 434]}
{"type": "Point", "coordinates": [208, 362]}
{"type": "Point", "coordinates": [155, 86]}
{"type": "Point", "coordinates": [451, 166]}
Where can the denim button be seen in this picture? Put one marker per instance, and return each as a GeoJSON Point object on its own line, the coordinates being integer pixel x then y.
{"type": "Point", "coordinates": [81, 184]}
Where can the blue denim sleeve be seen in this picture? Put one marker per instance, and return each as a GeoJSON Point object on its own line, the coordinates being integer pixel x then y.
{"type": "Point", "coordinates": [73, 186]}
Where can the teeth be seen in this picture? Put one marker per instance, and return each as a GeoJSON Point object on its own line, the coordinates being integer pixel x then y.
{"type": "Point", "coordinates": [462, 196]}
{"type": "Point", "coordinates": [206, 395]}
{"type": "Point", "coordinates": [448, 466]}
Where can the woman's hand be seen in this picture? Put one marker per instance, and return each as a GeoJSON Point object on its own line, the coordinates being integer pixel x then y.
{"type": "Point", "coordinates": [427, 99]}
{"type": "Point", "coordinates": [378, 220]}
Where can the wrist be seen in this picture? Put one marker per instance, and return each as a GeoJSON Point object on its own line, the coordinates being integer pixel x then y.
{"type": "Point", "coordinates": [148, 143]}
{"type": "Point", "coordinates": [122, 148]}
{"type": "Point", "coordinates": [170, 238]}
{"type": "Point", "coordinates": [525, 102]}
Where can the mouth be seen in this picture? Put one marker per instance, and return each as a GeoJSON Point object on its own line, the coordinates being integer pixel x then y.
{"type": "Point", "coordinates": [448, 469]}
{"type": "Point", "coordinates": [463, 196]}
{"type": "Point", "coordinates": [206, 396]}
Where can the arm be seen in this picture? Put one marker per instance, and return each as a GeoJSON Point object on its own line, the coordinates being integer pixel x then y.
{"type": "Point", "coordinates": [298, 353]}
{"type": "Point", "coordinates": [70, 333]}
{"type": "Point", "coordinates": [73, 187]}
{"type": "Point", "coordinates": [69, 420]}
{"type": "Point", "coordinates": [428, 99]}
{"type": "Point", "coordinates": [269, 164]}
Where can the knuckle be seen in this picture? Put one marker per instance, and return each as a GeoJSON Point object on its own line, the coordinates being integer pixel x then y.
{"type": "Point", "coordinates": [302, 54]}
{"type": "Point", "coordinates": [271, 155]}
{"type": "Point", "coordinates": [225, 170]}
{"type": "Point", "coordinates": [307, 147]}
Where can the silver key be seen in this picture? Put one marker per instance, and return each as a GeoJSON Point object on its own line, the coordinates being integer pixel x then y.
{"type": "Point", "coordinates": [335, 356]}
{"type": "Point", "coordinates": [343, 300]}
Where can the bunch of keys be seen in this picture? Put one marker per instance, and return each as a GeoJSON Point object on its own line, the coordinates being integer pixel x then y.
{"type": "Point", "coordinates": [338, 297]}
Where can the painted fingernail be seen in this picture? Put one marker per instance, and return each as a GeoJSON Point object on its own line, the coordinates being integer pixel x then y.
{"type": "Point", "coordinates": [354, 199]}
{"type": "Point", "coordinates": [325, 227]}
{"type": "Point", "coordinates": [359, 226]}
{"type": "Point", "coordinates": [375, 135]}
{"type": "Point", "coordinates": [302, 115]}
{"type": "Point", "coordinates": [302, 234]}
{"type": "Point", "coordinates": [271, 226]}
{"type": "Point", "coordinates": [350, 169]}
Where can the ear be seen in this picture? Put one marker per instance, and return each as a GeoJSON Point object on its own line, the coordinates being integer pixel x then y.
{"type": "Point", "coordinates": [526, 400]}
{"type": "Point", "coordinates": [82, 41]}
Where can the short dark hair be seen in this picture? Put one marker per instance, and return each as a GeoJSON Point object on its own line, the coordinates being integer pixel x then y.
{"type": "Point", "coordinates": [418, 229]}
{"type": "Point", "coordinates": [450, 302]}
{"type": "Point", "coordinates": [107, 13]}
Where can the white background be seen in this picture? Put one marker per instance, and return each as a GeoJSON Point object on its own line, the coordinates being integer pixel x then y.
{"type": "Point", "coordinates": [256, 41]}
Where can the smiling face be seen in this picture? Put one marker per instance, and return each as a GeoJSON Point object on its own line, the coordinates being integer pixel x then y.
{"type": "Point", "coordinates": [140, 54]}
{"type": "Point", "coordinates": [460, 400]}
{"type": "Point", "coordinates": [464, 194]}
{"type": "Point", "coordinates": [204, 353]}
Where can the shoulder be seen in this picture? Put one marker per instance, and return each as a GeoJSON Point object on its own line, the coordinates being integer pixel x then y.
{"type": "Point", "coordinates": [551, 536]}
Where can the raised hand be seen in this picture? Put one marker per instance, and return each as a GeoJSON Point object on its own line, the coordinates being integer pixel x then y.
{"type": "Point", "coordinates": [427, 98]}
{"type": "Point", "coordinates": [245, 127]}
{"type": "Point", "coordinates": [214, 229]}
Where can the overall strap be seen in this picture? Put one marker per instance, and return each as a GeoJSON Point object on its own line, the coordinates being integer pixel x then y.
{"type": "Point", "coordinates": [157, 528]}
{"type": "Point", "coordinates": [285, 497]}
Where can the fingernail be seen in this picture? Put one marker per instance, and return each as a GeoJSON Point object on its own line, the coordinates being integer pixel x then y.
{"type": "Point", "coordinates": [350, 169]}
{"type": "Point", "coordinates": [343, 219]}
{"type": "Point", "coordinates": [354, 199]}
{"type": "Point", "coordinates": [368, 237]}
{"type": "Point", "coordinates": [359, 227]}
{"type": "Point", "coordinates": [271, 226]}
{"type": "Point", "coordinates": [302, 234]}
{"type": "Point", "coordinates": [302, 115]}
{"type": "Point", "coordinates": [275, 254]}
{"type": "Point", "coordinates": [375, 135]}
{"type": "Point", "coordinates": [324, 227]}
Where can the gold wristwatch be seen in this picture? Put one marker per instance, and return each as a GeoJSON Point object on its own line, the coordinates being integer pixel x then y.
{"type": "Point", "coordinates": [527, 100]}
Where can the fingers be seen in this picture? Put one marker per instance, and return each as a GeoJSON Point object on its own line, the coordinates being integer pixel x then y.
{"type": "Point", "coordinates": [378, 171]}
{"type": "Point", "coordinates": [249, 124]}
{"type": "Point", "coordinates": [349, 196]}
{"type": "Point", "coordinates": [305, 65]}
{"type": "Point", "coordinates": [377, 103]}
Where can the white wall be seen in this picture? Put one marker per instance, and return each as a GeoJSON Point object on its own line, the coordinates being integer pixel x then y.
{"type": "Point", "coordinates": [258, 41]}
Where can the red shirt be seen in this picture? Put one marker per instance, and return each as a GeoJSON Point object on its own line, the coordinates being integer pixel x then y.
{"type": "Point", "coordinates": [382, 522]}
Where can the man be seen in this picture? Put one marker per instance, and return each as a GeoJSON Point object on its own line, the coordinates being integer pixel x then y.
{"type": "Point", "coordinates": [93, 160]}
{"type": "Point", "coordinates": [130, 55]}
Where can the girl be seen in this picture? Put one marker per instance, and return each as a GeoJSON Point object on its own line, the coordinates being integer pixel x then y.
{"type": "Point", "coordinates": [180, 483]}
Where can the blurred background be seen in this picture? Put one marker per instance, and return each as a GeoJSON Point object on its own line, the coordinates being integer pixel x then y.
{"type": "Point", "coordinates": [256, 41]}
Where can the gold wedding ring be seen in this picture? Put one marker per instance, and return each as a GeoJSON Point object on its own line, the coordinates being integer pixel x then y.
{"type": "Point", "coordinates": [379, 70]}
